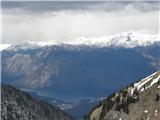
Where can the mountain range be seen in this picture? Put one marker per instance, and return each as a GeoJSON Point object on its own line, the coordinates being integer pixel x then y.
{"type": "Point", "coordinates": [126, 39]}
{"type": "Point", "coordinates": [80, 72]}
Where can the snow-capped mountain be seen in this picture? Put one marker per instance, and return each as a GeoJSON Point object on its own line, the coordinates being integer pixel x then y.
{"type": "Point", "coordinates": [125, 40]}
{"type": "Point", "coordinates": [20, 46]}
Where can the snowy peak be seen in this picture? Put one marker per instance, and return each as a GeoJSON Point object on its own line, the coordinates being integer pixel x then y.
{"type": "Point", "coordinates": [23, 46]}
{"type": "Point", "coordinates": [125, 40]}
{"type": "Point", "coordinates": [20, 46]}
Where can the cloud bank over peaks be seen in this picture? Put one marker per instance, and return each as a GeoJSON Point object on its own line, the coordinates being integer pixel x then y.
{"type": "Point", "coordinates": [64, 21]}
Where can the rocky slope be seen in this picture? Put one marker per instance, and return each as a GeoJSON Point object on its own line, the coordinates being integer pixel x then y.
{"type": "Point", "coordinates": [19, 105]}
{"type": "Point", "coordinates": [139, 101]}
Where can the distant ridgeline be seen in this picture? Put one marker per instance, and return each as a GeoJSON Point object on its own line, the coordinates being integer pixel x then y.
{"type": "Point", "coordinates": [138, 101]}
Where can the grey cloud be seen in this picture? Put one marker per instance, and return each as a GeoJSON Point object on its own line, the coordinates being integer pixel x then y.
{"type": "Point", "coordinates": [43, 6]}
{"type": "Point", "coordinates": [69, 20]}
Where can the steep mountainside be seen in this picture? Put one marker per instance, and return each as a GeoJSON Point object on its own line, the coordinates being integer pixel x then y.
{"type": "Point", "coordinates": [65, 70]}
{"type": "Point", "coordinates": [139, 101]}
{"type": "Point", "coordinates": [18, 105]}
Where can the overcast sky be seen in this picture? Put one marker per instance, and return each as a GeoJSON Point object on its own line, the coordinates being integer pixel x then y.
{"type": "Point", "coordinates": [62, 21]}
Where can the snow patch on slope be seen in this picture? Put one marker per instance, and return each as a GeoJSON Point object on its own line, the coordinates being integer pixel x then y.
{"type": "Point", "coordinates": [4, 46]}
{"type": "Point", "coordinates": [147, 82]}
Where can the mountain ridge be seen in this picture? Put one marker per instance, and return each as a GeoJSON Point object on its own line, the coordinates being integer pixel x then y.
{"type": "Point", "coordinates": [142, 96]}
{"type": "Point", "coordinates": [17, 105]}
{"type": "Point", "coordinates": [124, 40]}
